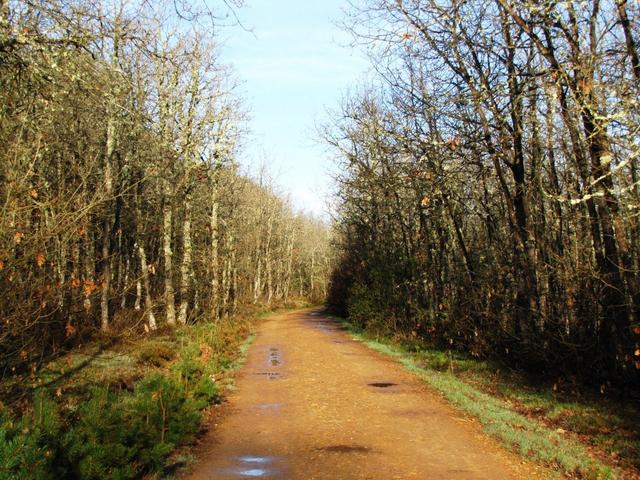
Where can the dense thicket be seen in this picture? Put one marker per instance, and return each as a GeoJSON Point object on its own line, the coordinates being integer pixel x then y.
{"type": "Point", "coordinates": [489, 187]}
{"type": "Point", "coordinates": [120, 197]}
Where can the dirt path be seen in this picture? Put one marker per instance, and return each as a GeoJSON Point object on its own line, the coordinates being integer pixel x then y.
{"type": "Point", "coordinates": [313, 404]}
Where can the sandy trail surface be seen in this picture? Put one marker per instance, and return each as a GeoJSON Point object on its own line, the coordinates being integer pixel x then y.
{"type": "Point", "coordinates": [311, 403]}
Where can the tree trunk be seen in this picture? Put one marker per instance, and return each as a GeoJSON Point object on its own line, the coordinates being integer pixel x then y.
{"type": "Point", "coordinates": [144, 271]}
{"type": "Point", "coordinates": [148, 303]}
{"type": "Point", "coordinates": [185, 269]}
{"type": "Point", "coordinates": [214, 261]}
{"type": "Point", "coordinates": [632, 50]}
{"type": "Point", "coordinates": [106, 224]}
{"type": "Point", "coordinates": [169, 295]}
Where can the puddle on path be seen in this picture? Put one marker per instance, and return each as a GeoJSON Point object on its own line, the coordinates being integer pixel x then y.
{"type": "Point", "coordinates": [323, 324]}
{"type": "Point", "coordinates": [327, 326]}
{"type": "Point", "coordinates": [253, 472]}
{"type": "Point", "coordinates": [382, 384]}
{"type": "Point", "coordinates": [346, 449]}
{"type": "Point", "coordinates": [255, 460]}
{"type": "Point", "coordinates": [270, 407]}
{"type": "Point", "coordinates": [274, 357]}
{"type": "Point", "coordinates": [253, 466]}
{"type": "Point", "coordinates": [272, 363]}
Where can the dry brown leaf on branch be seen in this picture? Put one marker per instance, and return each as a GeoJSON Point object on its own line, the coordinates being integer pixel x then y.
{"type": "Point", "coordinates": [89, 287]}
{"type": "Point", "coordinates": [69, 330]}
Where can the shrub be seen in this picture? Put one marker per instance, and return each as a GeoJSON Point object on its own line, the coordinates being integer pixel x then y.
{"type": "Point", "coordinates": [206, 392]}
{"type": "Point", "coordinates": [163, 410]}
{"type": "Point", "coordinates": [99, 445]}
{"type": "Point", "coordinates": [157, 354]}
{"type": "Point", "coordinates": [28, 447]}
{"type": "Point", "coordinates": [366, 309]}
{"type": "Point", "coordinates": [188, 370]}
{"type": "Point", "coordinates": [120, 434]}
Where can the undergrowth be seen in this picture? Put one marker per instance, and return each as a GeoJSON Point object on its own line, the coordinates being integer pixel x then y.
{"type": "Point", "coordinates": [576, 436]}
{"type": "Point", "coordinates": [118, 413]}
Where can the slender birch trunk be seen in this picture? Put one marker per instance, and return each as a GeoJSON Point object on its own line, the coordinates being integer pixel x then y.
{"type": "Point", "coordinates": [169, 294]}
{"type": "Point", "coordinates": [148, 302]}
{"type": "Point", "coordinates": [185, 269]}
{"type": "Point", "coordinates": [136, 304]}
{"type": "Point", "coordinates": [106, 225]}
{"type": "Point", "coordinates": [144, 273]}
{"type": "Point", "coordinates": [213, 260]}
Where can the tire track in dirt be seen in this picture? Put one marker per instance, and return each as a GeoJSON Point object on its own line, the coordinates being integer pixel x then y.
{"type": "Point", "coordinates": [311, 403]}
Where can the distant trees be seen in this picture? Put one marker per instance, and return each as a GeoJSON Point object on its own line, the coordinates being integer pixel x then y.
{"type": "Point", "coordinates": [490, 188]}
{"type": "Point", "coordinates": [120, 197]}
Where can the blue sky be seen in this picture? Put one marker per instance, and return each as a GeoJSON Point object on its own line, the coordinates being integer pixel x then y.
{"type": "Point", "coordinates": [293, 65]}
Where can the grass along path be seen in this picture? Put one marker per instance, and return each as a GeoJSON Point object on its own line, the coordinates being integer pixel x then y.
{"type": "Point", "coordinates": [531, 422]}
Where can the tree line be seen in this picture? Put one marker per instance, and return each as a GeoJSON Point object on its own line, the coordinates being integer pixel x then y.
{"type": "Point", "coordinates": [122, 204]}
{"type": "Point", "coordinates": [489, 186]}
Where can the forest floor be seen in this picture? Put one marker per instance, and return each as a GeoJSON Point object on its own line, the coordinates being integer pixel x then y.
{"type": "Point", "coordinates": [312, 402]}
{"type": "Point", "coordinates": [93, 412]}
